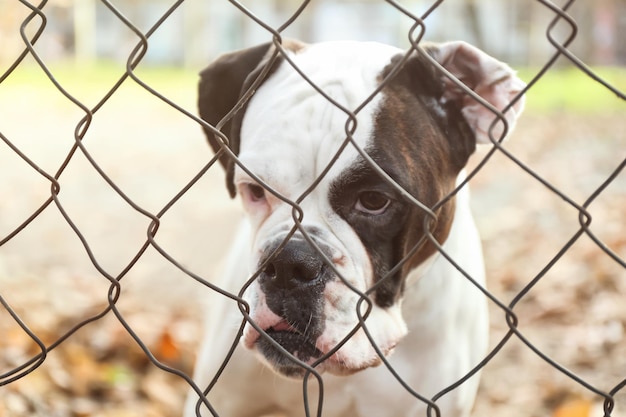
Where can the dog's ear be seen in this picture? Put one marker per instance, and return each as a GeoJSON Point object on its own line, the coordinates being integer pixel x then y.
{"type": "Point", "coordinates": [491, 79]}
{"type": "Point", "coordinates": [221, 85]}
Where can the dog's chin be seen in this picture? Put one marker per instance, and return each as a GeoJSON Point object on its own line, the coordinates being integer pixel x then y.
{"type": "Point", "coordinates": [306, 353]}
{"type": "Point", "coordinates": [296, 344]}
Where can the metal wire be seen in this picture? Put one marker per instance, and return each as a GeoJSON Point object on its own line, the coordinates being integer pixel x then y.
{"type": "Point", "coordinates": [415, 36]}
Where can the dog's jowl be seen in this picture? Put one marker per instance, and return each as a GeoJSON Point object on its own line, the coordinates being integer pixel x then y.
{"type": "Point", "coordinates": [345, 156]}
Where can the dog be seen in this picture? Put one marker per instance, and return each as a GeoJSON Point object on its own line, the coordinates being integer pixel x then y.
{"type": "Point", "coordinates": [357, 255]}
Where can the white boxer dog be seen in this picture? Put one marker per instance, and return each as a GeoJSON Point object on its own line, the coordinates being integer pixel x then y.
{"type": "Point", "coordinates": [356, 281]}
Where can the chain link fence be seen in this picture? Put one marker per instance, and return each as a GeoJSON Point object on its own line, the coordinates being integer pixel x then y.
{"type": "Point", "coordinates": [113, 218]}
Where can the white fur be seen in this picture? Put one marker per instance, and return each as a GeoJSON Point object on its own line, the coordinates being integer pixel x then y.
{"type": "Point", "coordinates": [438, 333]}
{"type": "Point", "coordinates": [310, 131]}
{"type": "Point", "coordinates": [444, 313]}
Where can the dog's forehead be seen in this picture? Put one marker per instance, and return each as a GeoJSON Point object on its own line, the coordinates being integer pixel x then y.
{"type": "Point", "coordinates": [289, 126]}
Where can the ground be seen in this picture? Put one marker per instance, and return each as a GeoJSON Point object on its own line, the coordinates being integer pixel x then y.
{"type": "Point", "coordinates": [575, 314]}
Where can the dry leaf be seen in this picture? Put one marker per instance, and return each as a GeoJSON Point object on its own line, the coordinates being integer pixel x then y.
{"type": "Point", "coordinates": [168, 348]}
{"type": "Point", "coordinates": [574, 408]}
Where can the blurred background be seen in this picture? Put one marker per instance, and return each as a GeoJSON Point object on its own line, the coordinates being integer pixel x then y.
{"type": "Point", "coordinates": [514, 30]}
{"type": "Point", "coordinates": [572, 135]}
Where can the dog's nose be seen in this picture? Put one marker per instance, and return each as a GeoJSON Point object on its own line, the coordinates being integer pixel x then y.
{"type": "Point", "coordinates": [296, 264]}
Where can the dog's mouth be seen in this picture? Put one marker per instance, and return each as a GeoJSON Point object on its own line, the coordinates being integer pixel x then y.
{"type": "Point", "coordinates": [297, 343]}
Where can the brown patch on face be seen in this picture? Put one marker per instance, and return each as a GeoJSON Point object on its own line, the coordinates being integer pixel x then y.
{"type": "Point", "coordinates": [425, 142]}
{"type": "Point", "coordinates": [440, 231]}
{"type": "Point", "coordinates": [424, 156]}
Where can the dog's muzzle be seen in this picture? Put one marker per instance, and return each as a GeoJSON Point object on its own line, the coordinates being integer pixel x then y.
{"type": "Point", "coordinates": [292, 282]}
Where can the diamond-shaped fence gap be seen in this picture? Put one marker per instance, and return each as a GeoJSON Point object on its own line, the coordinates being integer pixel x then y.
{"type": "Point", "coordinates": [590, 151]}
{"type": "Point", "coordinates": [128, 119]}
{"type": "Point", "coordinates": [537, 375]}
{"type": "Point", "coordinates": [207, 237]}
{"type": "Point", "coordinates": [516, 211]}
{"type": "Point", "coordinates": [26, 98]}
{"type": "Point", "coordinates": [170, 83]}
{"type": "Point", "coordinates": [64, 288]}
{"type": "Point", "coordinates": [112, 228]}
{"type": "Point", "coordinates": [62, 247]}
{"type": "Point", "coordinates": [115, 38]}
{"type": "Point", "coordinates": [30, 188]}
{"type": "Point", "coordinates": [574, 280]}
{"type": "Point", "coordinates": [150, 303]}
{"type": "Point", "coordinates": [71, 293]}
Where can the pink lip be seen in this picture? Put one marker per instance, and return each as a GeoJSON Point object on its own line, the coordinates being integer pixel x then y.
{"type": "Point", "coordinates": [278, 325]}
{"type": "Point", "coordinates": [281, 326]}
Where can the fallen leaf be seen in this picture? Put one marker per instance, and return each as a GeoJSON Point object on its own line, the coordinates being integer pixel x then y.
{"type": "Point", "coordinates": [168, 348]}
{"type": "Point", "coordinates": [574, 408]}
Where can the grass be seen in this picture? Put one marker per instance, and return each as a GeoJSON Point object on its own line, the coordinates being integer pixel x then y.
{"type": "Point", "coordinates": [571, 90]}
{"type": "Point", "coordinates": [95, 73]}
{"type": "Point", "coordinates": [90, 82]}
{"type": "Point", "coordinates": [560, 89]}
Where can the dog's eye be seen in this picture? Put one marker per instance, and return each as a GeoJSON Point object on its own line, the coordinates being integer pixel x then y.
{"type": "Point", "coordinates": [255, 192]}
{"type": "Point", "coordinates": [372, 202]}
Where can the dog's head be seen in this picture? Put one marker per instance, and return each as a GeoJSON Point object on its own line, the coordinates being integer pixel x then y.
{"type": "Point", "coordinates": [363, 171]}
